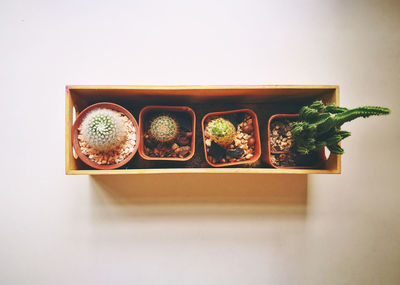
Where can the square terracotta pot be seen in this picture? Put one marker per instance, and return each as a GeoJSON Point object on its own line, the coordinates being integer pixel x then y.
{"type": "Point", "coordinates": [166, 109]}
{"type": "Point", "coordinates": [270, 151]}
{"type": "Point", "coordinates": [257, 148]}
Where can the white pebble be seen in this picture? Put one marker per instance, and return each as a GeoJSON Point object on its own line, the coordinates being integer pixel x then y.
{"type": "Point", "coordinates": [249, 156]}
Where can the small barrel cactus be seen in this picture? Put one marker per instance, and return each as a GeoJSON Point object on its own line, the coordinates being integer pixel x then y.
{"type": "Point", "coordinates": [221, 131]}
{"type": "Point", "coordinates": [163, 128]}
{"type": "Point", "coordinates": [103, 129]}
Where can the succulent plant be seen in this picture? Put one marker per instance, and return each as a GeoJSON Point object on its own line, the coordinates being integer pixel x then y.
{"type": "Point", "coordinates": [103, 129]}
{"type": "Point", "coordinates": [319, 125]}
{"type": "Point", "coordinates": [163, 128]}
{"type": "Point", "coordinates": [221, 131]}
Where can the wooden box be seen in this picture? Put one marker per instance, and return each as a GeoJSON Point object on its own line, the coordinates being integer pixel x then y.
{"type": "Point", "coordinates": [265, 100]}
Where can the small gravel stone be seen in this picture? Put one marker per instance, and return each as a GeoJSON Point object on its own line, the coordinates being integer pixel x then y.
{"type": "Point", "coordinates": [248, 128]}
{"type": "Point", "coordinates": [251, 141]}
{"type": "Point", "coordinates": [249, 156]}
{"type": "Point", "coordinates": [183, 140]}
{"type": "Point", "coordinates": [182, 151]}
{"type": "Point", "coordinates": [174, 146]}
{"type": "Point", "coordinates": [234, 153]}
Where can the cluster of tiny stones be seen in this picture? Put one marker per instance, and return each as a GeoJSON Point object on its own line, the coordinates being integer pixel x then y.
{"type": "Point", "coordinates": [180, 147]}
{"type": "Point", "coordinates": [119, 152]}
{"type": "Point", "coordinates": [282, 153]}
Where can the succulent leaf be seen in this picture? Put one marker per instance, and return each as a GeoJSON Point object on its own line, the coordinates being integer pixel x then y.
{"type": "Point", "coordinates": [335, 149]}
{"type": "Point", "coordinates": [333, 109]}
{"type": "Point", "coordinates": [318, 105]}
{"type": "Point", "coordinates": [308, 114]}
{"type": "Point", "coordinates": [364, 112]}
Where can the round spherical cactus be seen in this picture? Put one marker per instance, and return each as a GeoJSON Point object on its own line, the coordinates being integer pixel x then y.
{"type": "Point", "coordinates": [103, 129]}
{"type": "Point", "coordinates": [163, 128]}
{"type": "Point", "coordinates": [221, 131]}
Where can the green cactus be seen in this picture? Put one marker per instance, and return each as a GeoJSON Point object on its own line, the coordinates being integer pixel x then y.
{"type": "Point", "coordinates": [163, 128]}
{"type": "Point", "coordinates": [319, 125]}
{"type": "Point", "coordinates": [103, 129]}
{"type": "Point", "coordinates": [221, 131]}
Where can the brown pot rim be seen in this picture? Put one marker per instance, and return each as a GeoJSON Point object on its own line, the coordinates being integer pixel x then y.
{"type": "Point", "coordinates": [321, 153]}
{"type": "Point", "coordinates": [77, 123]}
{"type": "Point", "coordinates": [256, 137]}
{"type": "Point", "coordinates": [168, 109]}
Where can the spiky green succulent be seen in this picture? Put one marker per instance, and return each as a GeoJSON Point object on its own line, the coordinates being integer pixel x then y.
{"type": "Point", "coordinates": [163, 128]}
{"type": "Point", "coordinates": [103, 129]}
{"type": "Point", "coordinates": [221, 131]}
{"type": "Point", "coordinates": [319, 125]}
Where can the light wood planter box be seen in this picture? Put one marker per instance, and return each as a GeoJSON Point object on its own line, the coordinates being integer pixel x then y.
{"type": "Point", "coordinates": [265, 100]}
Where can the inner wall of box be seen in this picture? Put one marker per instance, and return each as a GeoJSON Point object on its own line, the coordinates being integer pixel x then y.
{"type": "Point", "coordinates": [264, 103]}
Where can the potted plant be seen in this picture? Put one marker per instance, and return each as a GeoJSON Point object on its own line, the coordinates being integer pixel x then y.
{"type": "Point", "coordinates": [298, 140]}
{"type": "Point", "coordinates": [231, 138]}
{"type": "Point", "coordinates": [168, 133]}
{"type": "Point", "coordinates": [104, 136]}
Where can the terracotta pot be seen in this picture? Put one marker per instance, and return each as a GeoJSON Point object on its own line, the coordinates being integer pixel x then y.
{"type": "Point", "coordinates": [77, 123]}
{"type": "Point", "coordinates": [321, 154]}
{"type": "Point", "coordinates": [257, 148]}
{"type": "Point", "coordinates": [167, 109]}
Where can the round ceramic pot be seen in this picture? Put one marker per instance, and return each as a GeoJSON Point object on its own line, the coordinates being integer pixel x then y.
{"type": "Point", "coordinates": [75, 133]}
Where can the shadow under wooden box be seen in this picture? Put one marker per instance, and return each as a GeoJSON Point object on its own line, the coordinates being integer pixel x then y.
{"type": "Point", "coordinates": [264, 100]}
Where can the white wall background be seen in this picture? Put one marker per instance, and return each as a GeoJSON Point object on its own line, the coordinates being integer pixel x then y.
{"type": "Point", "coordinates": [57, 229]}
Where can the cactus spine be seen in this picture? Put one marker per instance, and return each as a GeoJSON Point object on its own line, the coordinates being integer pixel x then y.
{"type": "Point", "coordinates": [103, 129]}
{"type": "Point", "coordinates": [221, 131]}
{"type": "Point", "coordinates": [319, 125]}
{"type": "Point", "coordinates": [163, 128]}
